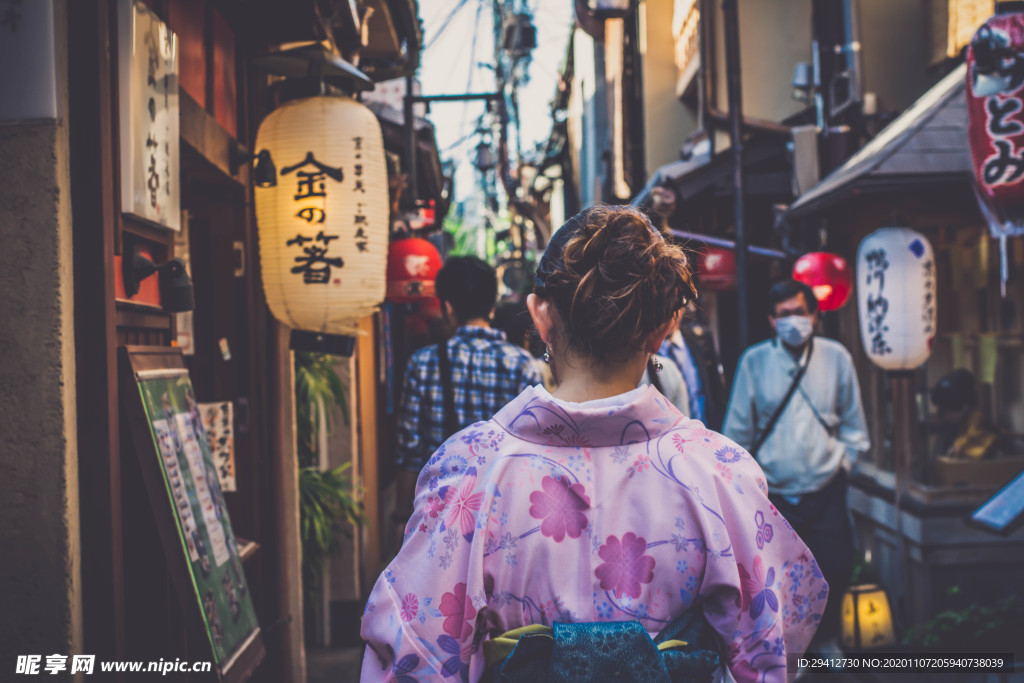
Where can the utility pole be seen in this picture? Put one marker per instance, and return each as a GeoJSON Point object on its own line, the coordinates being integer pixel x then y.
{"type": "Point", "coordinates": [411, 190]}
{"type": "Point", "coordinates": [730, 12]}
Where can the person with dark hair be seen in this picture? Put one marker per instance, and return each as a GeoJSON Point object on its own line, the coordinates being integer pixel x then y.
{"type": "Point", "coordinates": [796, 407]}
{"type": "Point", "coordinates": [480, 368]}
{"type": "Point", "coordinates": [597, 502]}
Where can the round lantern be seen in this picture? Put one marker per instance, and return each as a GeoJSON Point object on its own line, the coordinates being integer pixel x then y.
{"type": "Point", "coordinates": [323, 225]}
{"type": "Point", "coordinates": [412, 266]}
{"type": "Point", "coordinates": [716, 268]}
{"type": "Point", "coordinates": [828, 275]}
{"type": "Point", "coordinates": [896, 297]}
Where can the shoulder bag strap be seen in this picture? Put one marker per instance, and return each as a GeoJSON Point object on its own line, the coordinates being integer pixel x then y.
{"type": "Point", "coordinates": [451, 422]}
{"type": "Point", "coordinates": [785, 401]}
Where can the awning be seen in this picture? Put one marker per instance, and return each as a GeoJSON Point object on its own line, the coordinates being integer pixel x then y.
{"type": "Point", "coordinates": [765, 172]}
{"type": "Point", "coordinates": [925, 144]}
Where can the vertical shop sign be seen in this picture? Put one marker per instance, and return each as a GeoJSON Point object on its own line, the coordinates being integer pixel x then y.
{"type": "Point", "coordinates": [149, 118]}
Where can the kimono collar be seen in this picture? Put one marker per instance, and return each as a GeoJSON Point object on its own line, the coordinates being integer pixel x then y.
{"type": "Point", "coordinates": [533, 417]}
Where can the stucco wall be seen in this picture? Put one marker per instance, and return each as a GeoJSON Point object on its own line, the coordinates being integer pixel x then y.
{"type": "Point", "coordinates": [667, 121]}
{"type": "Point", "coordinates": [40, 591]}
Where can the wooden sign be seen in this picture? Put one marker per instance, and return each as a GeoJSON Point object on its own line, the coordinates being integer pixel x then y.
{"type": "Point", "coordinates": [149, 118]}
{"type": "Point", "coordinates": [192, 519]}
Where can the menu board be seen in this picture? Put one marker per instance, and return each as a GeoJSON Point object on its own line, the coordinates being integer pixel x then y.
{"type": "Point", "coordinates": [189, 503]}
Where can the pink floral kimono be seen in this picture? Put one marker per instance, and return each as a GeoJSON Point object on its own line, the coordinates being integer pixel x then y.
{"type": "Point", "coordinates": [590, 512]}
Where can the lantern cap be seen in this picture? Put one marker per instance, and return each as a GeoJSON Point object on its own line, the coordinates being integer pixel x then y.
{"type": "Point", "coordinates": [311, 59]}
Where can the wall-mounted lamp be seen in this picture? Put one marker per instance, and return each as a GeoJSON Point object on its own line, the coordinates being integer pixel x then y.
{"type": "Point", "coordinates": [175, 284]}
{"type": "Point", "coordinates": [264, 173]}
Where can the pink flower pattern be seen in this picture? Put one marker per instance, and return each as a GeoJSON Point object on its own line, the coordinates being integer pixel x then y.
{"type": "Point", "coordinates": [458, 612]}
{"type": "Point", "coordinates": [462, 503]}
{"type": "Point", "coordinates": [435, 506]}
{"type": "Point", "coordinates": [625, 565]}
{"type": "Point", "coordinates": [410, 607]}
{"type": "Point", "coordinates": [560, 506]}
{"type": "Point", "coordinates": [672, 526]}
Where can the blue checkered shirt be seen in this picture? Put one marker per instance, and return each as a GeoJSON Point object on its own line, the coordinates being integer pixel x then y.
{"type": "Point", "coordinates": [487, 373]}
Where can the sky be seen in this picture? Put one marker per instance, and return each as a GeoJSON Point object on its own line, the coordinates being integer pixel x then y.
{"type": "Point", "coordinates": [459, 51]}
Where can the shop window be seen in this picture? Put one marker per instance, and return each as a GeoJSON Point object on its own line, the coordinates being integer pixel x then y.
{"type": "Point", "coordinates": [979, 331]}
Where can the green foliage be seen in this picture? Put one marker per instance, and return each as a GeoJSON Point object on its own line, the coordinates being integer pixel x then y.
{"type": "Point", "coordinates": [464, 236]}
{"type": "Point", "coordinates": [327, 506]}
{"type": "Point", "coordinates": [316, 384]}
{"type": "Point", "coordinates": [974, 627]}
{"type": "Point", "coordinates": [327, 499]}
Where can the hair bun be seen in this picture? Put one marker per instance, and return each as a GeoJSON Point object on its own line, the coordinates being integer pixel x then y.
{"type": "Point", "coordinates": [616, 281]}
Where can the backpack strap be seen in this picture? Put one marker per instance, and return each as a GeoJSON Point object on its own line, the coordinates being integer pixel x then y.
{"type": "Point", "coordinates": [451, 422]}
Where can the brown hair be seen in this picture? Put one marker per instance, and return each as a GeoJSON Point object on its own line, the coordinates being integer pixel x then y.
{"type": "Point", "coordinates": [614, 280]}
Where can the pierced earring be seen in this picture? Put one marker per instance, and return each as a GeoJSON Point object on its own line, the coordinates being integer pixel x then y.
{"type": "Point", "coordinates": [546, 356]}
{"type": "Point", "coordinates": [658, 367]}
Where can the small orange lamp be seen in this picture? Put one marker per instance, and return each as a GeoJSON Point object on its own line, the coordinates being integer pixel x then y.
{"type": "Point", "coordinates": [867, 618]}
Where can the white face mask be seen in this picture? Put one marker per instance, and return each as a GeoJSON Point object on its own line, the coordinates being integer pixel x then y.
{"type": "Point", "coordinates": [794, 330]}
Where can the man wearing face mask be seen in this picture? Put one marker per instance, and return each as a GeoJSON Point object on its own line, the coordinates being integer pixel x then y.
{"type": "Point", "coordinates": [795, 406]}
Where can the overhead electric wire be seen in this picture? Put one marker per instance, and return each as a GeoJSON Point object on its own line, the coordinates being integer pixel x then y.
{"type": "Point", "coordinates": [472, 62]}
{"type": "Point", "coordinates": [445, 24]}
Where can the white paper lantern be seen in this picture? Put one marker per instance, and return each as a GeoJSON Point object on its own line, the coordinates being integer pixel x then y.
{"type": "Point", "coordinates": [323, 228]}
{"type": "Point", "coordinates": [896, 297]}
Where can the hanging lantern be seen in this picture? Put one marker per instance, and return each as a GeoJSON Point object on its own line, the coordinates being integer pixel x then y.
{"type": "Point", "coordinates": [867, 618]}
{"type": "Point", "coordinates": [995, 86]}
{"type": "Point", "coordinates": [716, 268]}
{"type": "Point", "coordinates": [828, 275]}
{"type": "Point", "coordinates": [896, 297]}
{"type": "Point", "coordinates": [323, 227]}
{"type": "Point", "coordinates": [412, 266]}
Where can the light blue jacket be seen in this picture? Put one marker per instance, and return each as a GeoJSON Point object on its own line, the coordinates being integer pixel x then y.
{"type": "Point", "coordinates": [800, 455]}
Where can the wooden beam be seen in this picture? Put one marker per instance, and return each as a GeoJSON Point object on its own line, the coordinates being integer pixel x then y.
{"type": "Point", "coordinates": [285, 476]}
{"type": "Point", "coordinates": [201, 132]}
{"type": "Point", "coordinates": [368, 465]}
{"type": "Point", "coordinates": [95, 218]}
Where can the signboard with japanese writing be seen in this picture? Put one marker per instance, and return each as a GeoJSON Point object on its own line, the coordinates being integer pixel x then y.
{"type": "Point", "coordinates": [148, 102]}
{"type": "Point", "coordinates": [323, 228]}
{"type": "Point", "coordinates": [218, 422]}
{"type": "Point", "coordinates": [896, 297]}
{"type": "Point", "coordinates": [188, 502]}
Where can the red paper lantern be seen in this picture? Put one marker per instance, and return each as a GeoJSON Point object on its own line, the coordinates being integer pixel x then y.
{"type": "Point", "coordinates": [412, 267]}
{"type": "Point", "coordinates": [828, 275]}
{"type": "Point", "coordinates": [995, 114]}
{"type": "Point", "coordinates": [716, 268]}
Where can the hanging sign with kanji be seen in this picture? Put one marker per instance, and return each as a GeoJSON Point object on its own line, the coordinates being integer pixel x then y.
{"type": "Point", "coordinates": [149, 123]}
{"type": "Point", "coordinates": [995, 109]}
{"type": "Point", "coordinates": [323, 227]}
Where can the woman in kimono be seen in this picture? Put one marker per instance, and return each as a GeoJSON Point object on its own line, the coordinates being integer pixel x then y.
{"type": "Point", "coordinates": [597, 502]}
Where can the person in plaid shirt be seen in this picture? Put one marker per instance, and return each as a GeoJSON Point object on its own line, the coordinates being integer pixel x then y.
{"type": "Point", "coordinates": [487, 372]}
